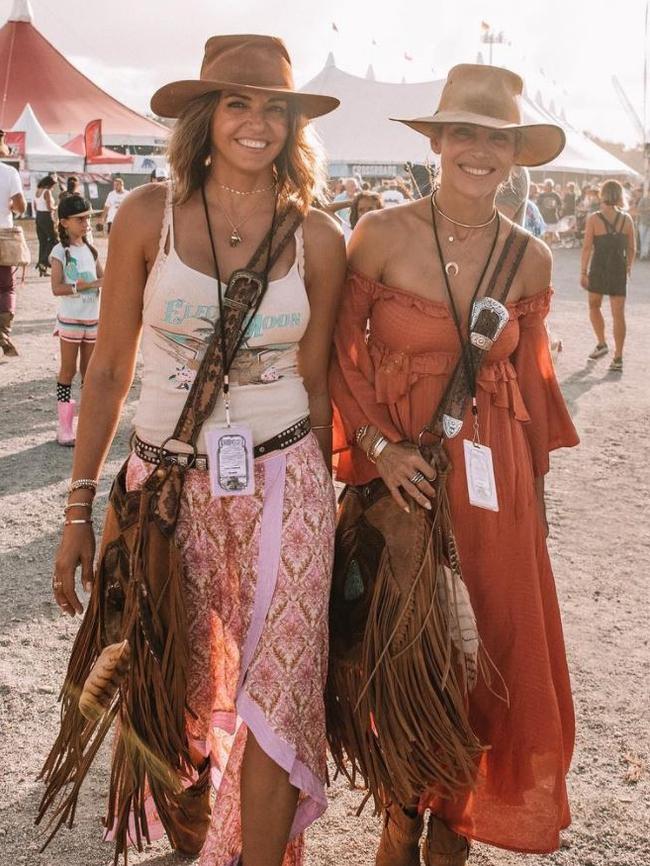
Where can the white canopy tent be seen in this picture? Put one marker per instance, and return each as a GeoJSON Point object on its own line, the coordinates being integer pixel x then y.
{"type": "Point", "coordinates": [41, 152]}
{"type": "Point", "coordinates": [359, 132]}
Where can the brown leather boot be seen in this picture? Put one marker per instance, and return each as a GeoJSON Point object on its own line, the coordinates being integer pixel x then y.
{"type": "Point", "coordinates": [400, 840]}
{"type": "Point", "coordinates": [443, 847]}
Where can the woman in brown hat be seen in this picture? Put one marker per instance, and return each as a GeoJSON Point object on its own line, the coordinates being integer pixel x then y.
{"type": "Point", "coordinates": [416, 272]}
{"type": "Point", "coordinates": [257, 566]}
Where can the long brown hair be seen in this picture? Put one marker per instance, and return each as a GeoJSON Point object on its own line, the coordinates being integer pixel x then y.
{"type": "Point", "coordinates": [299, 168]}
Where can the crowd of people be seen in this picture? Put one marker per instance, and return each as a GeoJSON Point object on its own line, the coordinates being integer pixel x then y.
{"type": "Point", "coordinates": [223, 632]}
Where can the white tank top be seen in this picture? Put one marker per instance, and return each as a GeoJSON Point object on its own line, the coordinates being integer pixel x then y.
{"type": "Point", "coordinates": [180, 308]}
{"type": "Point", "coordinates": [41, 204]}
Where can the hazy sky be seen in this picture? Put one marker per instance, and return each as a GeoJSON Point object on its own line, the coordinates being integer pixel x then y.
{"type": "Point", "coordinates": [130, 47]}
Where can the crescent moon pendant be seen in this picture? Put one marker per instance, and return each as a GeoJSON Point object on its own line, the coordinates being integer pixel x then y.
{"type": "Point", "coordinates": [452, 269]}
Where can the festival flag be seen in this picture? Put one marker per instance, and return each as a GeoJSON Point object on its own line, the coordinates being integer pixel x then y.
{"type": "Point", "coordinates": [93, 139]}
{"type": "Point", "coordinates": [485, 27]}
{"type": "Point", "coordinates": [334, 27]}
{"type": "Point", "coordinates": [407, 56]}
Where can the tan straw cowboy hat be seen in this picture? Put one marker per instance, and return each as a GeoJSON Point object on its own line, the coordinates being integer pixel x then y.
{"type": "Point", "coordinates": [248, 62]}
{"type": "Point", "coordinates": [491, 96]}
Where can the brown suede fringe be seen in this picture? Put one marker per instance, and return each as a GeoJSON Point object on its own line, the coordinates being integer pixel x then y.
{"type": "Point", "coordinates": [397, 690]}
{"type": "Point", "coordinates": [142, 603]}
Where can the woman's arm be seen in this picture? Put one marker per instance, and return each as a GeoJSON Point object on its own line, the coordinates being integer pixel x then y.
{"type": "Point", "coordinates": [631, 242]}
{"type": "Point", "coordinates": [324, 277]}
{"type": "Point", "coordinates": [109, 374]}
{"type": "Point", "coordinates": [587, 248]}
{"type": "Point", "coordinates": [49, 200]}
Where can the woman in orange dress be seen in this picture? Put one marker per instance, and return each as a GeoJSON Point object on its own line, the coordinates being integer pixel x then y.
{"type": "Point", "coordinates": [397, 345]}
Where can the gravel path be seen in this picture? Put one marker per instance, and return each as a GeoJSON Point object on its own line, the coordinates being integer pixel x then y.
{"type": "Point", "coordinates": [600, 545]}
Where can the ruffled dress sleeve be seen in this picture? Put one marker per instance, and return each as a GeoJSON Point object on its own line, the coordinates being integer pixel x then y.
{"type": "Point", "coordinates": [352, 381]}
{"type": "Point", "coordinates": [550, 425]}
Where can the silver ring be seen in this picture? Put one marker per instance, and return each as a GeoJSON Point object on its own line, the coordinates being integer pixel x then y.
{"type": "Point", "coordinates": [417, 477]}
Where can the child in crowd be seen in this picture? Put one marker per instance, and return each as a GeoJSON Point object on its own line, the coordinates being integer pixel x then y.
{"type": "Point", "coordinates": [76, 277]}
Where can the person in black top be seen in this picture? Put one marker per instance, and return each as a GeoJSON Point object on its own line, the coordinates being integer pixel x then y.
{"type": "Point", "coordinates": [607, 255]}
{"type": "Point", "coordinates": [569, 200]}
{"type": "Point", "coordinates": [550, 205]}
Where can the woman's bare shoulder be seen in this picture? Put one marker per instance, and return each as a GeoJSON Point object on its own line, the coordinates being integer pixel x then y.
{"type": "Point", "coordinates": [536, 267]}
{"type": "Point", "coordinates": [321, 227]}
{"type": "Point", "coordinates": [379, 234]}
{"type": "Point", "coordinates": [142, 212]}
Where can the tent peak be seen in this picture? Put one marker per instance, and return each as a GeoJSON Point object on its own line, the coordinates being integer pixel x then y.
{"type": "Point", "coordinates": [22, 11]}
{"type": "Point", "coordinates": [370, 73]}
{"type": "Point", "coordinates": [330, 60]}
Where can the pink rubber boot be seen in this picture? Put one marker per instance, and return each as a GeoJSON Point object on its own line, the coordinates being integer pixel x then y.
{"type": "Point", "coordinates": [65, 433]}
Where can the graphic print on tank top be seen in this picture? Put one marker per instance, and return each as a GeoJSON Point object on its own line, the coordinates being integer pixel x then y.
{"type": "Point", "coordinates": [259, 360]}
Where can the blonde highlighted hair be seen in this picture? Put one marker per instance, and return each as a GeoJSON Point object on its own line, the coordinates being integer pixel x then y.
{"type": "Point", "coordinates": [299, 169]}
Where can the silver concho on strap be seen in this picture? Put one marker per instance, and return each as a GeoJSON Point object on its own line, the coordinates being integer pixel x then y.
{"type": "Point", "coordinates": [452, 426]}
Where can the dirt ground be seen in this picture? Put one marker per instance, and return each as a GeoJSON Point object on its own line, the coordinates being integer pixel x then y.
{"type": "Point", "coordinates": [600, 546]}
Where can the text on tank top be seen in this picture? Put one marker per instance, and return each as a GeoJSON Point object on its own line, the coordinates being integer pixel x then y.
{"type": "Point", "coordinates": [180, 309]}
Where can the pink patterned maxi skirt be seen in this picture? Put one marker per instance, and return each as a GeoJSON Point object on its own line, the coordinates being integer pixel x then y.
{"type": "Point", "coordinates": [257, 571]}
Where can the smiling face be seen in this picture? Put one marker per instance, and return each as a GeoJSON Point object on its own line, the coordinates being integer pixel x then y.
{"type": "Point", "coordinates": [249, 130]}
{"type": "Point", "coordinates": [474, 159]}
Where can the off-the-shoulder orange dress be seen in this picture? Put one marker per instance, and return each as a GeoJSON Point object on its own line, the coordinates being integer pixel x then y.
{"type": "Point", "coordinates": [394, 378]}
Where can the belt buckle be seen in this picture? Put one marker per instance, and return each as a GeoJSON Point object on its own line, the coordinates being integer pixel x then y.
{"type": "Point", "coordinates": [187, 461]}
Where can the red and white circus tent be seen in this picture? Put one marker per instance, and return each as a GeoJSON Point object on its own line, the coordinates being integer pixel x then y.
{"type": "Point", "coordinates": [62, 98]}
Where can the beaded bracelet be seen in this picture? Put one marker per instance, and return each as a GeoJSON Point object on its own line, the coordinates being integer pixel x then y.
{"type": "Point", "coordinates": [83, 484]}
{"type": "Point", "coordinates": [359, 436]}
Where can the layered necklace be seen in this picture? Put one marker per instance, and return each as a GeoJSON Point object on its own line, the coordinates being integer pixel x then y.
{"type": "Point", "coordinates": [236, 236]}
{"type": "Point", "coordinates": [453, 268]}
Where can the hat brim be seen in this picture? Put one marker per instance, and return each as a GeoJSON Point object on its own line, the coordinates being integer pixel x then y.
{"type": "Point", "coordinates": [171, 99]}
{"type": "Point", "coordinates": [84, 213]}
{"type": "Point", "coordinates": [540, 142]}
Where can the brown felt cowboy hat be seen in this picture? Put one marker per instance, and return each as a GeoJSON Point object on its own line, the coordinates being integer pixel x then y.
{"type": "Point", "coordinates": [248, 62]}
{"type": "Point", "coordinates": [491, 96]}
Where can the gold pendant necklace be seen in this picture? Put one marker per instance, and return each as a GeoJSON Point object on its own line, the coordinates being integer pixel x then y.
{"type": "Point", "coordinates": [451, 238]}
{"type": "Point", "coordinates": [235, 237]}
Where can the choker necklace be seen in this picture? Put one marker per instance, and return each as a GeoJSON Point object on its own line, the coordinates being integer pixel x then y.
{"type": "Point", "coordinates": [247, 192]}
{"type": "Point", "coordinates": [451, 238]}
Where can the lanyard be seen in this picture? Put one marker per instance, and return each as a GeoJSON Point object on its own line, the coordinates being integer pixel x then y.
{"type": "Point", "coordinates": [227, 363]}
{"type": "Point", "coordinates": [466, 354]}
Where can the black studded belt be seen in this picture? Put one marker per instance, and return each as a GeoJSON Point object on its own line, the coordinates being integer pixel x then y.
{"type": "Point", "coordinates": [155, 454]}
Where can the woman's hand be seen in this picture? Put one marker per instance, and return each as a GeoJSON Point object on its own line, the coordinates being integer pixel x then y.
{"type": "Point", "coordinates": [77, 547]}
{"type": "Point", "coordinates": [584, 281]}
{"type": "Point", "coordinates": [398, 464]}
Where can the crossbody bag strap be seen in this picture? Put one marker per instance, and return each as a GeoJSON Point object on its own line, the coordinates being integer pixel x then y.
{"type": "Point", "coordinates": [242, 298]}
{"type": "Point", "coordinates": [457, 393]}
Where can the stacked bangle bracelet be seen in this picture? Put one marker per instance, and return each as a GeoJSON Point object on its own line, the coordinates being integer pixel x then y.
{"type": "Point", "coordinates": [379, 442]}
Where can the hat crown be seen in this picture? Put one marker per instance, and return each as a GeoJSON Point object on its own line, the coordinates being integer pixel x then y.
{"type": "Point", "coordinates": [247, 60]}
{"type": "Point", "coordinates": [490, 91]}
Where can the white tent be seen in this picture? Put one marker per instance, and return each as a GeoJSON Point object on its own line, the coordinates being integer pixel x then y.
{"type": "Point", "coordinates": [41, 152]}
{"type": "Point", "coordinates": [359, 132]}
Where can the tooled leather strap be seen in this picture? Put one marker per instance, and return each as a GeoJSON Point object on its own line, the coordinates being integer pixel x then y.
{"type": "Point", "coordinates": [242, 298]}
{"type": "Point", "coordinates": [457, 393]}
